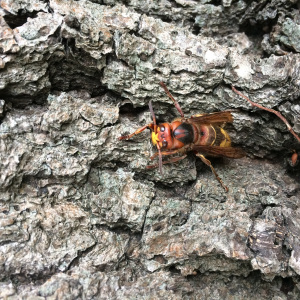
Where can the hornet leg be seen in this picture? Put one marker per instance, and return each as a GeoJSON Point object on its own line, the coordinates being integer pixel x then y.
{"type": "Point", "coordinates": [126, 137]}
{"type": "Point", "coordinates": [170, 161]}
{"type": "Point", "coordinates": [166, 153]}
{"type": "Point", "coordinates": [208, 163]}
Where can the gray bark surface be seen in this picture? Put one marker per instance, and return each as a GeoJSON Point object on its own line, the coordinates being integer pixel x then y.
{"type": "Point", "coordinates": [80, 215]}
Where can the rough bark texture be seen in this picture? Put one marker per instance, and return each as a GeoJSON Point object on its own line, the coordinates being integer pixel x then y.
{"type": "Point", "coordinates": [81, 217]}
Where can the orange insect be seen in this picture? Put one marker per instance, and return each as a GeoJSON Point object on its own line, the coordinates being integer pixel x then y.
{"type": "Point", "coordinates": [294, 159]}
{"type": "Point", "coordinates": [202, 134]}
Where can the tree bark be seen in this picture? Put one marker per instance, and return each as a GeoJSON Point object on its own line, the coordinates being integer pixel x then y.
{"type": "Point", "coordinates": [81, 215]}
